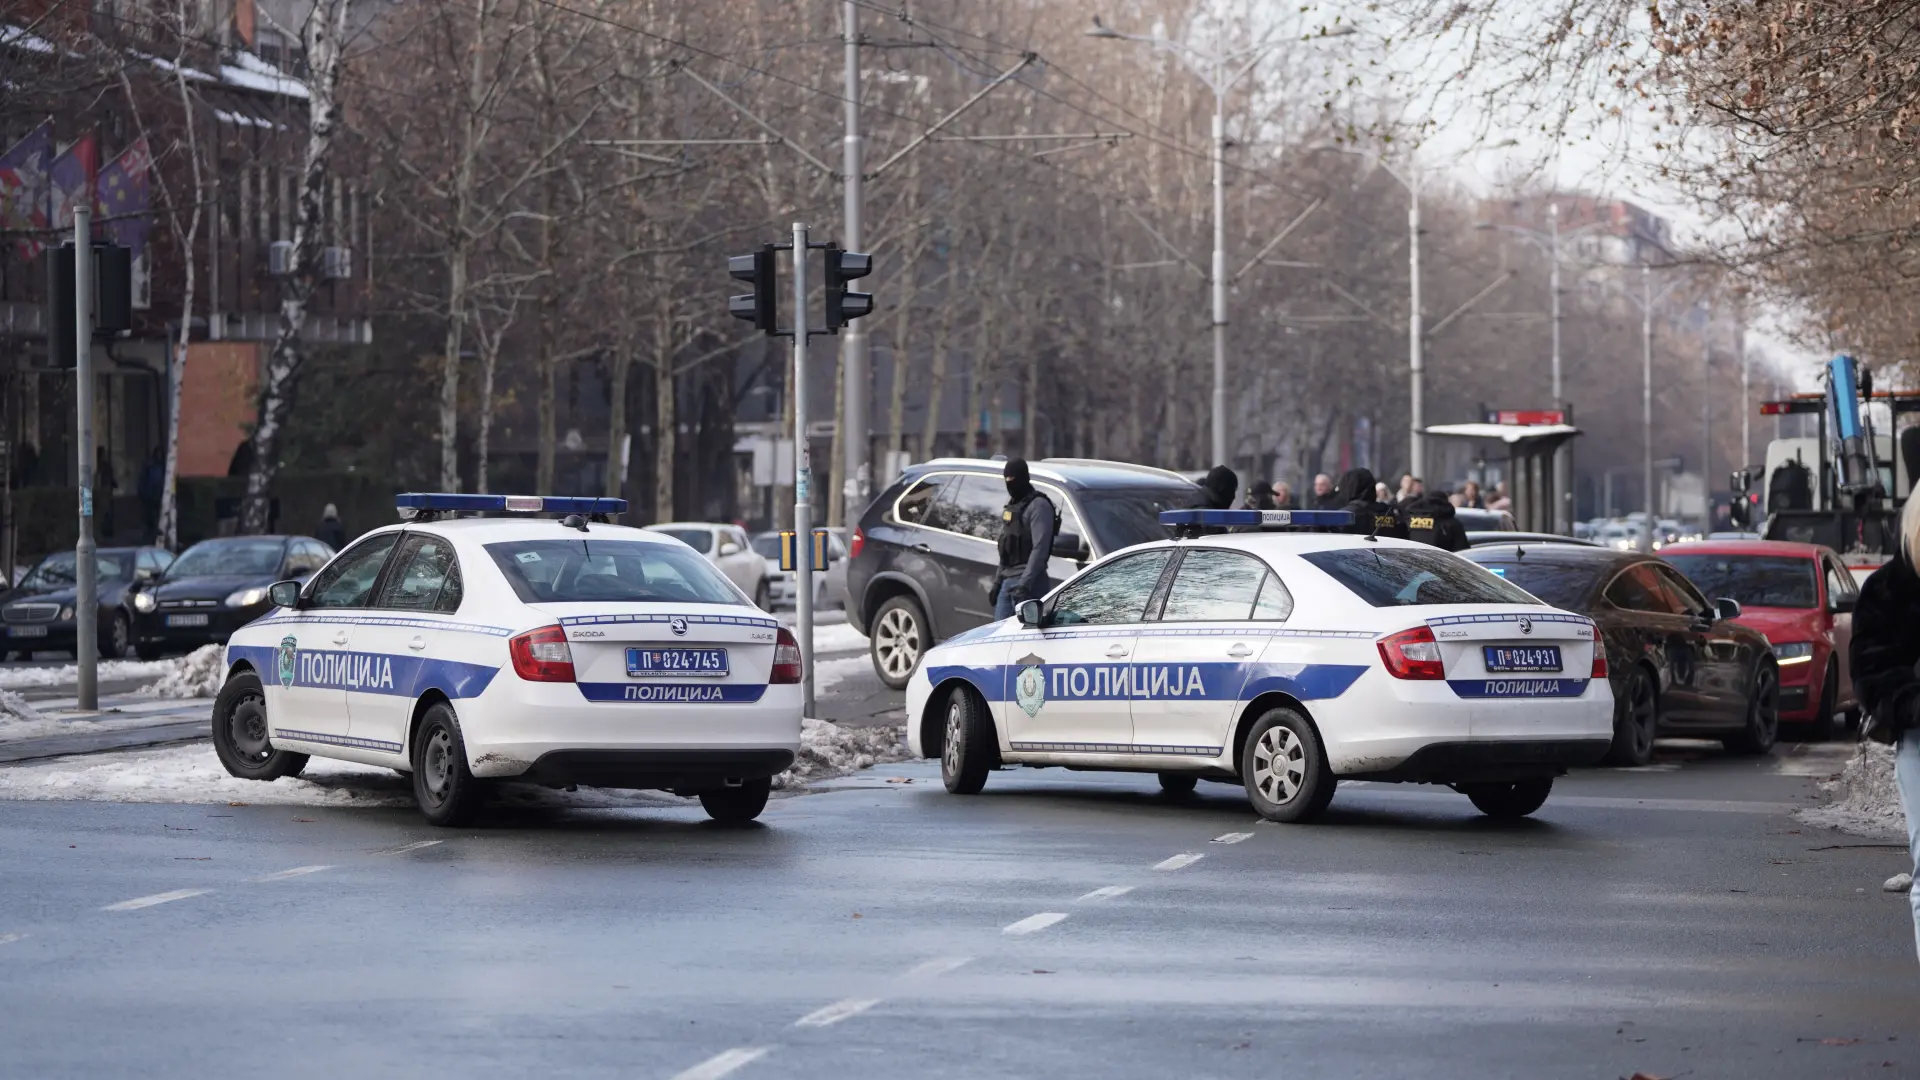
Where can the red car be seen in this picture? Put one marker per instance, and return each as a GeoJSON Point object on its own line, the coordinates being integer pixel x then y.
{"type": "Point", "coordinates": [1801, 596]}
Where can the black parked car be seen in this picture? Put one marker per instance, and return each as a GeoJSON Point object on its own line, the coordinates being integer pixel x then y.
{"type": "Point", "coordinates": [1678, 664]}
{"type": "Point", "coordinates": [39, 613]}
{"type": "Point", "coordinates": [926, 552]}
{"type": "Point", "coordinates": [217, 586]}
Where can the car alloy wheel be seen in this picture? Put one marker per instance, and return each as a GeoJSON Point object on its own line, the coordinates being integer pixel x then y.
{"type": "Point", "coordinates": [969, 748]}
{"type": "Point", "coordinates": [1638, 724]}
{"type": "Point", "coordinates": [899, 638]}
{"type": "Point", "coordinates": [1763, 715]}
{"type": "Point", "coordinates": [1279, 765]}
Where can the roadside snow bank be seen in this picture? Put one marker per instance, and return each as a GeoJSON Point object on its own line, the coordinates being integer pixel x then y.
{"type": "Point", "coordinates": [195, 675]}
{"type": "Point", "coordinates": [827, 749]}
{"type": "Point", "coordinates": [1866, 801]}
{"type": "Point", "coordinates": [19, 678]}
{"type": "Point", "coordinates": [16, 709]}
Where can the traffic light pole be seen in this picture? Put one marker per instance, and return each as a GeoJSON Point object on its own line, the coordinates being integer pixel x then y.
{"type": "Point", "coordinates": [855, 441]}
{"type": "Point", "coordinates": [86, 611]}
{"type": "Point", "coordinates": [802, 475]}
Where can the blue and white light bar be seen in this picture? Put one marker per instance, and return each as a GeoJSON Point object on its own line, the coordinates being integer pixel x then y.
{"type": "Point", "coordinates": [452, 502]}
{"type": "Point", "coordinates": [1257, 518]}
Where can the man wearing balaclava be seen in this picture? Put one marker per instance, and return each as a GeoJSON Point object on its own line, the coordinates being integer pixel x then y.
{"type": "Point", "coordinates": [1027, 528]}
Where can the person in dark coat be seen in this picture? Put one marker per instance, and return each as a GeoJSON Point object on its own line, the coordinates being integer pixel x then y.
{"type": "Point", "coordinates": [1886, 673]}
{"type": "Point", "coordinates": [1371, 517]}
{"type": "Point", "coordinates": [331, 531]}
{"type": "Point", "coordinates": [1259, 496]}
{"type": "Point", "coordinates": [1218, 491]}
{"type": "Point", "coordinates": [1324, 495]}
{"type": "Point", "coordinates": [1027, 528]}
{"type": "Point", "coordinates": [1430, 519]}
{"type": "Point", "coordinates": [1283, 496]}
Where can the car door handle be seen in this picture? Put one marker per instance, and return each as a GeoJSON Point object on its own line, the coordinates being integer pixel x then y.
{"type": "Point", "coordinates": [1239, 650]}
{"type": "Point", "coordinates": [925, 549]}
{"type": "Point", "coordinates": [417, 644]}
{"type": "Point", "coordinates": [340, 638]}
{"type": "Point", "coordinates": [1118, 651]}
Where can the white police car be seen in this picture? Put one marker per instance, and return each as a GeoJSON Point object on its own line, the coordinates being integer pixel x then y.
{"type": "Point", "coordinates": [1283, 660]}
{"type": "Point", "coordinates": [465, 650]}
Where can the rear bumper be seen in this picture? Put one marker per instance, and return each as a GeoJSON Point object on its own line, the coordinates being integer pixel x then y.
{"type": "Point", "coordinates": [665, 769]}
{"type": "Point", "coordinates": [1491, 760]}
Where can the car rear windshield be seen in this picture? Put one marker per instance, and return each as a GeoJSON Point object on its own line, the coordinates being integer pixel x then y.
{"type": "Point", "coordinates": [1563, 585]}
{"type": "Point", "coordinates": [1754, 580]}
{"type": "Point", "coordinates": [1122, 517]}
{"type": "Point", "coordinates": [700, 540]}
{"type": "Point", "coordinates": [1404, 577]}
{"type": "Point", "coordinates": [228, 558]}
{"type": "Point", "coordinates": [601, 571]}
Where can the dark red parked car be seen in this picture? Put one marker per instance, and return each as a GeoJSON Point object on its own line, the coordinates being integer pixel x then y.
{"type": "Point", "coordinates": [1801, 596]}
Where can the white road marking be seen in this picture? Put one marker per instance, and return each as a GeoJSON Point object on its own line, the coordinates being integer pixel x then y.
{"type": "Point", "coordinates": [1233, 838]}
{"type": "Point", "coordinates": [1185, 858]}
{"type": "Point", "coordinates": [8, 939]}
{"type": "Point", "coordinates": [836, 1012]}
{"type": "Point", "coordinates": [1033, 923]}
{"type": "Point", "coordinates": [139, 902]}
{"type": "Point", "coordinates": [724, 1063]}
{"type": "Point", "coordinates": [1106, 892]}
{"type": "Point", "coordinates": [938, 966]}
{"type": "Point", "coordinates": [297, 871]}
{"type": "Point", "coordinates": [404, 848]}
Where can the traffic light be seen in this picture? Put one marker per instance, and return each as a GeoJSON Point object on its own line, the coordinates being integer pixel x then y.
{"type": "Point", "coordinates": [112, 296]}
{"type": "Point", "coordinates": [844, 305]}
{"type": "Point", "coordinates": [757, 307]}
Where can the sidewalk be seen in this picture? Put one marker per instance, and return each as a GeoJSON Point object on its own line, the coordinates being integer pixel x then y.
{"type": "Point", "coordinates": [123, 721]}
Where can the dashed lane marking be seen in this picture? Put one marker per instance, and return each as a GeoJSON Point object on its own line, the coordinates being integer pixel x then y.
{"type": "Point", "coordinates": [1185, 858]}
{"type": "Point", "coordinates": [1105, 892]}
{"type": "Point", "coordinates": [8, 939]}
{"type": "Point", "coordinates": [836, 1012]}
{"type": "Point", "coordinates": [938, 966]}
{"type": "Point", "coordinates": [724, 1063]}
{"type": "Point", "coordinates": [1232, 837]}
{"type": "Point", "coordinates": [404, 848]}
{"type": "Point", "coordinates": [1034, 923]}
{"type": "Point", "coordinates": [298, 871]}
{"type": "Point", "coordinates": [139, 902]}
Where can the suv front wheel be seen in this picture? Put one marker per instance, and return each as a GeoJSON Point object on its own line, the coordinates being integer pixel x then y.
{"type": "Point", "coordinates": [899, 638]}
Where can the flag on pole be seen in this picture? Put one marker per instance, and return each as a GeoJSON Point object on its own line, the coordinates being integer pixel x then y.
{"type": "Point", "coordinates": [71, 179]}
{"type": "Point", "coordinates": [122, 205]}
{"type": "Point", "coordinates": [23, 187]}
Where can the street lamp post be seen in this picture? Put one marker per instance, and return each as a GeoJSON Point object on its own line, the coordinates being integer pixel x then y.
{"type": "Point", "coordinates": [1220, 72]}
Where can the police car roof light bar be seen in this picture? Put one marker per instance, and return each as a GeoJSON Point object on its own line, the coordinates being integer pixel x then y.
{"type": "Point", "coordinates": [1266, 519]}
{"type": "Point", "coordinates": [426, 505]}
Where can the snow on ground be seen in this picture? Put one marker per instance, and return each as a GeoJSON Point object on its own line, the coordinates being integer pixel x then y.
{"type": "Point", "coordinates": [13, 728]}
{"type": "Point", "coordinates": [15, 709]}
{"type": "Point", "coordinates": [838, 637]}
{"type": "Point", "coordinates": [17, 678]}
{"type": "Point", "coordinates": [1865, 800]}
{"type": "Point", "coordinates": [197, 674]}
{"type": "Point", "coordinates": [827, 749]}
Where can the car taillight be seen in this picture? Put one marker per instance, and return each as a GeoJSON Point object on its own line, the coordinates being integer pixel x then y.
{"type": "Point", "coordinates": [542, 655]}
{"type": "Point", "coordinates": [786, 657]}
{"type": "Point", "coordinates": [1412, 654]}
{"type": "Point", "coordinates": [854, 545]}
{"type": "Point", "coordinates": [1599, 655]}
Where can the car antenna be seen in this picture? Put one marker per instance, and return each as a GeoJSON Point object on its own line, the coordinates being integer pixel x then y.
{"type": "Point", "coordinates": [574, 521]}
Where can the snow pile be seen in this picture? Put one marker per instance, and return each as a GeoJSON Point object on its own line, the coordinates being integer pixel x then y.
{"type": "Point", "coordinates": [195, 675]}
{"type": "Point", "coordinates": [1898, 883]}
{"type": "Point", "coordinates": [16, 709]}
{"type": "Point", "coordinates": [68, 674]}
{"type": "Point", "coordinates": [827, 749]}
{"type": "Point", "coordinates": [192, 774]}
{"type": "Point", "coordinates": [1865, 799]}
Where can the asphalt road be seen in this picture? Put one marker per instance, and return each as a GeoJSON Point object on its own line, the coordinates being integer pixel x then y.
{"type": "Point", "coordinates": [1671, 922]}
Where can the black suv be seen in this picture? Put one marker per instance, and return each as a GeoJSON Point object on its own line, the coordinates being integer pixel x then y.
{"type": "Point", "coordinates": [926, 552]}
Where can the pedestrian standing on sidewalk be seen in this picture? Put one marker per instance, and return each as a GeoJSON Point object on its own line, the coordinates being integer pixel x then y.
{"type": "Point", "coordinates": [1886, 673]}
{"type": "Point", "coordinates": [1027, 528]}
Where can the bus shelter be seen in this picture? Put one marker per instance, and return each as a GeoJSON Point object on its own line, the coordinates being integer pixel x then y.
{"type": "Point", "coordinates": [1532, 450]}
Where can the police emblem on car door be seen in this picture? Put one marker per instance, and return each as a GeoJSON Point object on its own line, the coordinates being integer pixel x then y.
{"type": "Point", "coordinates": [289, 653]}
{"type": "Point", "coordinates": [1030, 686]}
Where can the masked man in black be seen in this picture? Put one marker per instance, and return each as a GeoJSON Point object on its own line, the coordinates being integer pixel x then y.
{"type": "Point", "coordinates": [1371, 517]}
{"type": "Point", "coordinates": [1027, 529]}
{"type": "Point", "coordinates": [1430, 519]}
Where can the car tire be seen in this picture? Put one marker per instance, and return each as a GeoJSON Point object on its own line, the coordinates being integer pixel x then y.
{"type": "Point", "coordinates": [969, 747]}
{"type": "Point", "coordinates": [1302, 784]}
{"type": "Point", "coordinates": [1763, 716]}
{"type": "Point", "coordinates": [116, 643]}
{"type": "Point", "coordinates": [1636, 721]}
{"type": "Point", "coordinates": [1827, 723]}
{"type": "Point", "coordinates": [737, 805]}
{"type": "Point", "coordinates": [763, 596]}
{"type": "Point", "coordinates": [445, 788]}
{"type": "Point", "coordinates": [1508, 801]}
{"type": "Point", "coordinates": [899, 639]}
{"type": "Point", "coordinates": [1178, 783]}
{"type": "Point", "coordinates": [240, 738]}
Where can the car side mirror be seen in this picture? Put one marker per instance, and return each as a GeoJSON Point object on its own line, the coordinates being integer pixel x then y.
{"type": "Point", "coordinates": [1726, 607]}
{"type": "Point", "coordinates": [1844, 605]}
{"type": "Point", "coordinates": [1069, 546]}
{"type": "Point", "coordinates": [1028, 612]}
{"type": "Point", "coordinates": [729, 548]}
{"type": "Point", "coordinates": [284, 594]}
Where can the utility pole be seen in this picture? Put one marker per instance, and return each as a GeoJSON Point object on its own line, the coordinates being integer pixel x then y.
{"type": "Point", "coordinates": [1219, 271]}
{"type": "Point", "coordinates": [802, 473]}
{"type": "Point", "coordinates": [86, 611]}
{"type": "Point", "coordinates": [1646, 402]}
{"type": "Point", "coordinates": [1416, 361]}
{"type": "Point", "coordinates": [1746, 384]}
{"type": "Point", "coordinates": [856, 383]}
{"type": "Point", "coordinates": [1563, 457]}
{"type": "Point", "coordinates": [1706, 422]}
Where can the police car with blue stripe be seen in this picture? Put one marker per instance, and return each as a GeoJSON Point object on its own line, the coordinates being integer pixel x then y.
{"type": "Point", "coordinates": [468, 649]}
{"type": "Point", "coordinates": [1284, 660]}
